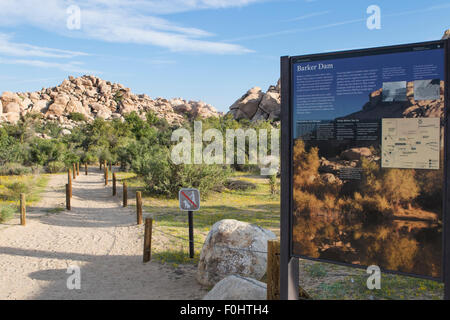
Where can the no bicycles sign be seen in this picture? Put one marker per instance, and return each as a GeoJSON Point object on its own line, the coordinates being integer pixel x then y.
{"type": "Point", "coordinates": [189, 199]}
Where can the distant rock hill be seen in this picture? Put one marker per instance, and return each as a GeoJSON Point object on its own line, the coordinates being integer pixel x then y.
{"type": "Point", "coordinates": [94, 97]}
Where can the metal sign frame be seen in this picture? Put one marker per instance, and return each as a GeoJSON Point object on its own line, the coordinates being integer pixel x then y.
{"type": "Point", "coordinates": [289, 267]}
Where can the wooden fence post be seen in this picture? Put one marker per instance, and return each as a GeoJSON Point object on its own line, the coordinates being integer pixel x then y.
{"type": "Point", "coordinates": [125, 194]}
{"type": "Point", "coordinates": [69, 181]}
{"type": "Point", "coordinates": [85, 168]}
{"type": "Point", "coordinates": [148, 240]}
{"type": "Point", "coordinates": [74, 171]}
{"type": "Point", "coordinates": [68, 207]}
{"type": "Point", "coordinates": [106, 175]}
{"type": "Point", "coordinates": [139, 207]}
{"type": "Point", "coordinates": [273, 270]}
{"type": "Point", "coordinates": [23, 210]}
{"type": "Point", "coordinates": [114, 184]}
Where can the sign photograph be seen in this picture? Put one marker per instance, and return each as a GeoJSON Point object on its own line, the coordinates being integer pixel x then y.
{"type": "Point", "coordinates": [368, 158]}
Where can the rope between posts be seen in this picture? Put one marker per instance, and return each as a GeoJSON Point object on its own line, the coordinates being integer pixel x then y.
{"type": "Point", "coordinates": [217, 246]}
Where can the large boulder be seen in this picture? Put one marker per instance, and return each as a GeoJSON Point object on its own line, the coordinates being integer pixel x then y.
{"type": "Point", "coordinates": [233, 247]}
{"type": "Point", "coordinates": [256, 105]}
{"type": "Point", "coordinates": [238, 288]}
{"type": "Point", "coordinates": [8, 97]}
{"type": "Point", "coordinates": [249, 102]}
{"type": "Point", "coordinates": [11, 117]}
{"type": "Point", "coordinates": [356, 153]}
{"type": "Point", "coordinates": [56, 109]}
{"type": "Point", "coordinates": [271, 102]}
{"type": "Point", "coordinates": [40, 106]}
{"type": "Point", "coordinates": [11, 107]}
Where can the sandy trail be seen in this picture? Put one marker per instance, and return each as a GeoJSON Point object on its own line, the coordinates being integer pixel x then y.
{"type": "Point", "coordinates": [99, 236]}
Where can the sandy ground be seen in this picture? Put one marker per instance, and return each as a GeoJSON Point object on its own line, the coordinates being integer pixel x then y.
{"type": "Point", "coordinates": [99, 236]}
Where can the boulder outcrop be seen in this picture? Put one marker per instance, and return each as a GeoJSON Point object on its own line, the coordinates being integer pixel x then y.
{"type": "Point", "coordinates": [96, 98]}
{"type": "Point", "coordinates": [256, 105]}
{"type": "Point", "coordinates": [233, 247]}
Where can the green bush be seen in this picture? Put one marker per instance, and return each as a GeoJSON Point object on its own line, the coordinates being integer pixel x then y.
{"type": "Point", "coordinates": [12, 168]}
{"type": "Point", "coordinates": [55, 166]}
{"type": "Point", "coordinates": [76, 116]}
{"type": "Point", "coordinates": [6, 213]}
{"type": "Point", "coordinates": [163, 177]}
{"type": "Point", "coordinates": [18, 187]}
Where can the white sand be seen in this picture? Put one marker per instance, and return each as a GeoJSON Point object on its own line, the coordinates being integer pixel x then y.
{"type": "Point", "coordinates": [99, 236]}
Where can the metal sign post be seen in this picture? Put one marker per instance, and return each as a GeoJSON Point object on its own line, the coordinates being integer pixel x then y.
{"type": "Point", "coordinates": [190, 202]}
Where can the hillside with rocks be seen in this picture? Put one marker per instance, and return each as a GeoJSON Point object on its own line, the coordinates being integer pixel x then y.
{"type": "Point", "coordinates": [94, 98]}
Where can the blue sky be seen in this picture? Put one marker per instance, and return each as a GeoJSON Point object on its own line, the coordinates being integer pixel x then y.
{"type": "Point", "coordinates": [210, 50]}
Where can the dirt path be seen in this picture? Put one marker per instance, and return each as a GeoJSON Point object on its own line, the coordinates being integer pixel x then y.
{"type": "Point", "coordinates": [99, 236]}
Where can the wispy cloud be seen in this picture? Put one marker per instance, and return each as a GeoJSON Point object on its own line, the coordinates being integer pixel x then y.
{"type": "Point", "coordinates": [296, 30]}
{"type": "Point", "coordinates": [75, 67]}
{"type": "Point", "coordinates": [332, 25]}
{"type": "Point", "coordinates": [307, 16]}
{"type": "Point", "coordinates": [11, 48]}
{"type": "Point", "coordinates": [125, 21]}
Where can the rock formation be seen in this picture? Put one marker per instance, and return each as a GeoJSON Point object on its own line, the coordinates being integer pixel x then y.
{"type": "Point", "coordinates": [233, 247]}
{"type": "Point", "coordinates": [238, 288]}
{"type": "Point", "coordinates": [256, 105]}
{"type": "Point", "coordinates": [94, 97]}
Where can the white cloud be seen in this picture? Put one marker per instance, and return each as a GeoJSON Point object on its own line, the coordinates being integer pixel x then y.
{"type": "Point", "coordinates": [124, 21]}
{"type": "Point", "coordinates": [10, 48]}
{"type": "Point", "coordinates": [74, 67]}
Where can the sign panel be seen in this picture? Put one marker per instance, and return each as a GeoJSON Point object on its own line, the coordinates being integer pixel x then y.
{"type": "Point", "coordinates": [410, 143]}
{"type": "Point", "coordinates": [367, 151]}
{"type": "Point", "coordinates": [189, 199]}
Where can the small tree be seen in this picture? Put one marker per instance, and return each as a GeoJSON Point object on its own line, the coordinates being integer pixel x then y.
{"type": "Point", "coordinates": [399, 186]}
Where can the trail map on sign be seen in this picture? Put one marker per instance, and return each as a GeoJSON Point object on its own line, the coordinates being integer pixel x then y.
{"type": "Point", "coordinates": [411, 143]}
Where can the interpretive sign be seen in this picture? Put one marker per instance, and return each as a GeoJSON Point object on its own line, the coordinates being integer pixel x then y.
{"type": "Point", "coordinates": [364, 133]}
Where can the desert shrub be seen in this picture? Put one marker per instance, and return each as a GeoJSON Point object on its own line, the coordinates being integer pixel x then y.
{"type": "Point", "coordinates": [273, 184]}
{"type": "Point", "coordinates": [12, 168]}
{"type": "Point", "coordinates": [55, 166]}
{"type": "Point", "coordinates": [399, 186]}
{"type": "Point", "coordinates": [163, 177]}
{"type": "Point", "coordinates": [240, 185]}
{"type": "Point", "coordinates": [88, 157]}
{"type": "Point", "coordinates": [306, 164]}
{"type": "Point", "coordinates": [306, 203]}
{"type": "Point", "coordinates": [76, 116]}
{"type": "Point", "coordinates": [43, 151]}
{"type": "Point", "coordinates": [431, 189]}
{"type": "Point", "coordinates": [17, 187]}
{"type": "Point", "coordinates": [6, 213]}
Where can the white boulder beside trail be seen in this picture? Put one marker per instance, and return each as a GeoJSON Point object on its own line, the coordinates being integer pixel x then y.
{"type": "Point", "coordinates": [233, 247]}
{"type": "Point", "coordinates": [238, 288]}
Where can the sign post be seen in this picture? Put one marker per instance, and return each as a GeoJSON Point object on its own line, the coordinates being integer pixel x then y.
{"type": "Point", "coordinates": [190, 201]}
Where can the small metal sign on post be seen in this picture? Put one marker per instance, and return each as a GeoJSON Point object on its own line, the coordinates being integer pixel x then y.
{"type": "Point", "coordinates": [190, 201]}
